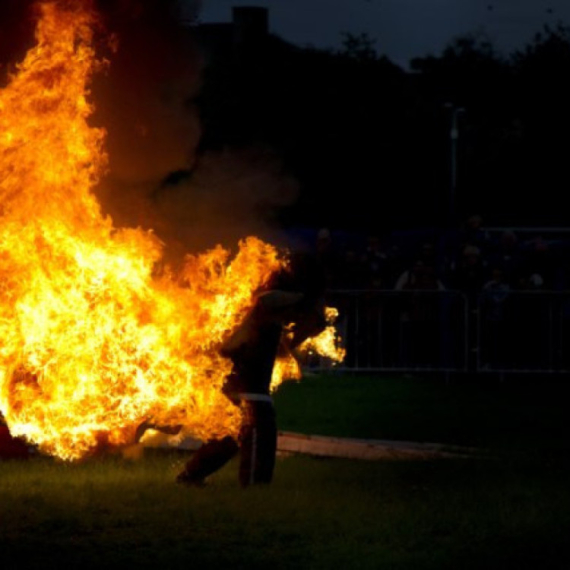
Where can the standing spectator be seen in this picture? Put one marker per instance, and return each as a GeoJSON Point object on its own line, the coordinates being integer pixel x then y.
{"type": "Point", "coordinates": [533, 316]}
{"type": "Point", "coordinates": [538, 262]}
{"type": "Point", "coordinates": [472, 233]}
{"type": "Point", "coordinates": [327, 256]}
{"type": "Point", "coordinates": [469, 273]}
{"type": "Point", "coordinates": [352, 272]}
{"type": "Point", "coordinates": [419, 317]}
{"type": "Point", "coordinates": [376, 263]}
{"type": "Point", "coordinates": [428, 256]}
{"type": "Point", "coordinates": [496, 342]}
{"type": "Point", "coordinates": [469, 276]}
{"type": "Point", "coordinates": [507, 256]}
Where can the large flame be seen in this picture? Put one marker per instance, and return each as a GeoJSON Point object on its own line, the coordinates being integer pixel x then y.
{"type": "Point", "coordinates": [93, 339]}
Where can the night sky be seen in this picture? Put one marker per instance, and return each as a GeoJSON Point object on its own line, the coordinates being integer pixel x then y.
{"type": "Point", "coordinates": [402, 29]}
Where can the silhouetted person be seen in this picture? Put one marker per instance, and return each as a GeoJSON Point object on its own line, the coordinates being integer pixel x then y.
{"type": "Point", "coordinates": [496, 337]}
{"type": "Point", "coordinates": [507, 256]}
{"type": "Point", "coordinates": [539, 261]}
{"type": "Point", "coordinates": [419, 319]}
{"type": "Point", "coordinates": [253, 348]}
{"type": "Point", "coordinates": [377, 264]}
{"type": "Point", "coordinates": [472, 233]}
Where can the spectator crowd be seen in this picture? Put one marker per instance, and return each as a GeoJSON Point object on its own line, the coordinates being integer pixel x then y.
{"type": "Point", "coordinates": [471, 259]}
{"type": "Point", "coordinates": [489, 310]}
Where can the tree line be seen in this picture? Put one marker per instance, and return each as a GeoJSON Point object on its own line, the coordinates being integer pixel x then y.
{"type": "Point", "coordinates": [370, 142]}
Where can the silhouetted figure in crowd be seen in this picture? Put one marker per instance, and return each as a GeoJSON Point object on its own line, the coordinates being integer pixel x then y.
{"type": "Point", "coordinates": [352, 273]}
{"type": "Point", "coordinates": [469, 273]}
{"type": "Point", "coordinates": [328, 256]}
{"type": "Point", "coordinates": [508, 257]}
{"type": "Point", "coordinates": [377, 264]}
{"type": "Point", "coordinates": [419, 317]}
{"type": "Point", "coordinates": [428, 256]}
{"type": "Point", "coordinates": [472, 233]}
{"type": "Point", "coordinates": [538, 261]}
{"type": "Point", "coordinates": [496, 340]}
{"type": "Point", "coordinates": [468, 276]}
{"type": "Point", "coordinates": [533, 319]}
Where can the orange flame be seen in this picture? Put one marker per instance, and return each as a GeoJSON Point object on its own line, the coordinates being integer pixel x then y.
{"type": "Point", "coordinates": [93, 340]}
{"type": "Point", "coordinates": [327, 345]}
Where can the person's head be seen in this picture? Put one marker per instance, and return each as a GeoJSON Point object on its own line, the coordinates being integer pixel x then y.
{"type": "Point", "coordinates": [540, 245]}
{"type": "Point", "coordinates": [497, 275]}
{"type": "Point", "coordinates": [508, 239]}
{"type": "Point", "coordinates": [535, 281]}
{"type": "Point", "coordinates": [474, 222]}
{"type": "Point", "coordinates": [324, 239]}
{"type": "Point", "coordinates": [424, 274]}
{"type": "Point", "coordinates": [471, 255]}
{"type": "Point", "coordinates": [427, 251]}
{"type": "Point", "coordinates": [373, 242]}
{"type": "Point", "coordinates": [303, 274]}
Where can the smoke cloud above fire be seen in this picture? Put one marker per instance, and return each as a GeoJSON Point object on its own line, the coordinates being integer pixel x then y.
{"type": "Point", "coordinates": [144, 99]}
{"type": "Point", "coordinates": [157, 176]}
{"type": "Point", "coordinates": [97, 335]}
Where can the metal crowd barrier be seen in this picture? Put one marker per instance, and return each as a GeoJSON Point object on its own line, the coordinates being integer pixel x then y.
{"type": "Point", "coordinates": [444, 331]}
{"type": "Point", "coordinates": [387, 330]}
{"type": "Point", "coordinates": [523, 331]}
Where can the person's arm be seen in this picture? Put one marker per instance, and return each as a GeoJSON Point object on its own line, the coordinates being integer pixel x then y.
{"type": "Point", "coordinates": [310, 321]}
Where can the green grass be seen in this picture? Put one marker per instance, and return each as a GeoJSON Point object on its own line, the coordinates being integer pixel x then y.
{"type": "Point", "coordinates": [512, 511]}
{"type": "Point", "coordinates": [317, 514]}
{"type": "Point", "coordinates": [517, 415]}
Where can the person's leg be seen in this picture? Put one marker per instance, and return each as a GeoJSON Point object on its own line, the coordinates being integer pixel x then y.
{"type": "Point", "coordinates": [209, 458]}
{"type": "Point", "coordinates": [258, 443]}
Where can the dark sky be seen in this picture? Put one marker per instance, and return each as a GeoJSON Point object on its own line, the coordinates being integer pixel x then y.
{"type": "Point", "coordinates": [402, 29]}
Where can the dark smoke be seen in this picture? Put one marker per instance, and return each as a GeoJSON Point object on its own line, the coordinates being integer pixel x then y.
{"type": "Point", "coordinates": [158, 179]}
{"type": "Point", "coordinates": [143, 100]}
{"type": "Point", "coordinates": [16, 33]}
{"type": "Point", "coordinates": [228, 195]}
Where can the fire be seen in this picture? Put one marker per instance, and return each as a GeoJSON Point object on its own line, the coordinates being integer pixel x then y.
{"type": "Point", "coordinates": [94, 338]}
{"type": "Point", "coordinates": [327, 345]}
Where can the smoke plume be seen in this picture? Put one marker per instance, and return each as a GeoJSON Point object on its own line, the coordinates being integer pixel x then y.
{"type": "Point", "coordinates": [144, 98]}
{"type": "Point", "coordinates": [157, 177]}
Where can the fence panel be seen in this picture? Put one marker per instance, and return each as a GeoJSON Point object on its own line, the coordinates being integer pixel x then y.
{"type": "Point", "coordinates": [523, 331]}
{"type": "Point", "coordinates": [386, 330]}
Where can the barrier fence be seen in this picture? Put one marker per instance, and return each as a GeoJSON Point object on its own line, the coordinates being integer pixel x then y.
{"type": "Point", "coordinates": [446, 331]}
{"type": "Point", "coordinates": [524, 331]}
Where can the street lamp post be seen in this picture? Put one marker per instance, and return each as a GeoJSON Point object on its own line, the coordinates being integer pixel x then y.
{"type": "Point", "coordinates": [453, 139]}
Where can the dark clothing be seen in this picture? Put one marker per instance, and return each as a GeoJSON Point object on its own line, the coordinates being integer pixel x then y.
{"type": "Point", "coordinates": [253, 353]}
{"type": "Point", "coordinates": [211, 456]}
{"type": "Point", "coordinates": [258, 440]}
{"type": "Point", "coordinates": [253, 349]}
{"type": "Point", "coordinates": [257, 444]}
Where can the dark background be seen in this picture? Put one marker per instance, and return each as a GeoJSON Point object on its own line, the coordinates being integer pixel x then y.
{"type": "Point", "coordinates": [370, 143]}
{"type": "Point", "coordinates": [344, 138]}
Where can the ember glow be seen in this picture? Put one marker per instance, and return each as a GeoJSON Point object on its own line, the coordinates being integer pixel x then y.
{"type": "Point", "coordinates": [94, 340]}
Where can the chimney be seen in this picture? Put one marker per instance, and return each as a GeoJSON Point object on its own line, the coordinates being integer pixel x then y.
{"type": "Point", "coordinates": [251, 25]}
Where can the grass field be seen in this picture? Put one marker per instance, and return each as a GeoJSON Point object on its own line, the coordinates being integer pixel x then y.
{"type": "Point", "coordinates": [512, 511]}
{"type": "Point", "coordinates": [526, 414]}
